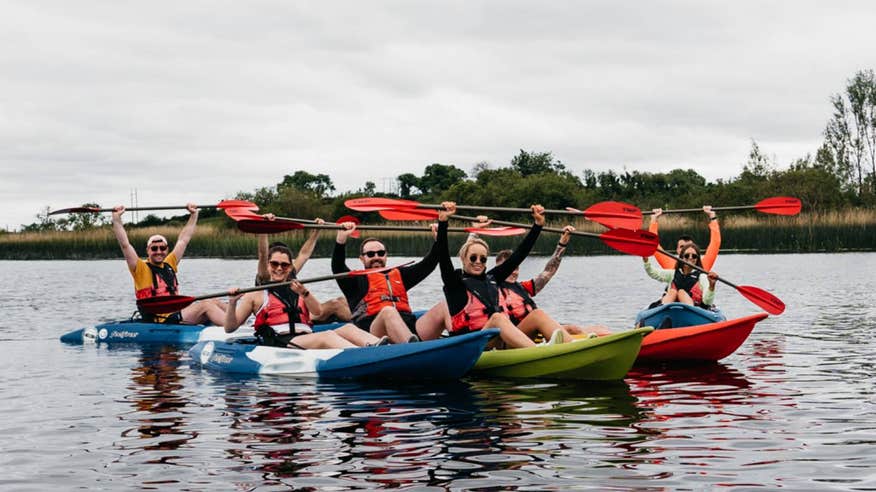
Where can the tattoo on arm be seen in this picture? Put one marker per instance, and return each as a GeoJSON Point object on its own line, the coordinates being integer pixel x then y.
{"type": "Point", "coordinates": [540, 281]}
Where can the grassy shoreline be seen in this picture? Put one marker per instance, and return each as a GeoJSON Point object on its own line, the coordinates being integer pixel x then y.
{"type": "Point", "coordinates": [834, 231]}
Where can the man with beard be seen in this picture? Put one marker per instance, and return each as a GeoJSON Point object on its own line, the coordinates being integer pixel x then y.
{"type": "Point", "coordinates": [379, 301]}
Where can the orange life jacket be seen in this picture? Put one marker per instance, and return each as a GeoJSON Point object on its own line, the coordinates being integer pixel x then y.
{"type": "Point", "coordinates": [483, 301]}
{"type": "Point", "coordinates": [515, 301]}
{"type": "Point", "coordinates": [283, 307]}
{"type": "Point", "coordinates": [384, 289]}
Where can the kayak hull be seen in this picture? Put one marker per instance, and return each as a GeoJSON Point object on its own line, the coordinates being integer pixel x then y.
{"type": "Point", "coordinates": [128, 332]}
{"type": "Point", "coordinates": [705, 342]}
{"type": "Point", "coordinates": [677, 314]}
{"type": "Point", "coordinates": [587, 359]}
{"type": "Point", "coordinates": [442, 359]}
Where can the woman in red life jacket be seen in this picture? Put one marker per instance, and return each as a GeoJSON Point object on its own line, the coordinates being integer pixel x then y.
{"type": "Point", "coordinates": [283, 314]}
{"type": "Point", "coordinates": [472, 293]}
{"type": "Point", "coordinates": [686, 285]}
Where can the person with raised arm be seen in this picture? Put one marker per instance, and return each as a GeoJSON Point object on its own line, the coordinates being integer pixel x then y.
{"type": "Point", "coordinates": [472, 293]}
{"type": "Point", "coordinates": [156, 275]}
{"type": "Point", "coordinates": [711, 254]}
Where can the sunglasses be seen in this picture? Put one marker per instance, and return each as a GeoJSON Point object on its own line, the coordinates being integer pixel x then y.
{"type": "Point", "coordinates": [690, 256]}
{"type": "Point", "coordinates": [371, 254]}
{"type": "Point", "coordinates": [163, 247]}
{"type": "Point", "coordinates": [280, 264]}
{"type": "Point", "coordinates": [477, 259]}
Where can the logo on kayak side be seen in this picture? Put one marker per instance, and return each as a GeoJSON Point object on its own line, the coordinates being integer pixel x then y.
{"type": "Point", "coordinates": [206, 352]}
{"type": "Point", "coordinates": [121, 334]}
{"type": "Point", "coordinates": [102, 334]}
{"type": "Point", "coordinates": [89, 334]}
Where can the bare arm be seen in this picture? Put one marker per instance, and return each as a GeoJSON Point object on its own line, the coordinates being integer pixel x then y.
{"type": "Point", "coordinates": [307, 248]}
{"type": "Point", "coordinates": [262, 271]}
{"type": "Point", "coordinates": [310, 300]}
{"type": "Point", "coordinates": [553, 264]}
{"type": "Point", "coordinates": [239, 308]}
{"type": "Point", "coordinates": [185, 235]}
{"type": "Point", "coordinates": [130, 253]}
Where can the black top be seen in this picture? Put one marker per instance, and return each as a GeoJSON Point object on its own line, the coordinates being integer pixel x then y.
{"type": "Point", "coordinates": [355, 288]}
{"type": "Point", "coordinates": [454, 288]}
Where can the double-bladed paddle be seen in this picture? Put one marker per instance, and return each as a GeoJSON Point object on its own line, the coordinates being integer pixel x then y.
{"type": "Point", "coordinates": [255, 223]}
{"type": "Point", "coordinates": [174, 303]}
{"type": "Point", "coordinates": [224, 204]}
{"type": "Point", "coordinates": [632, 242]}
{"type": "Point", "coordinates": [756, 295]}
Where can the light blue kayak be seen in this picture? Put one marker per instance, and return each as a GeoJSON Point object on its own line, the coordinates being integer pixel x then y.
{"type": "Point", "coordinates": [442, 359]}
{"type": "Point", "coordinates": [677, 315]}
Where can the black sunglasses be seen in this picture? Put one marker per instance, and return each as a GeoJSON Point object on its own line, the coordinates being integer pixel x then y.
{"type": "Point", "coordinates": [372, 254]}
{"type": "Point", "coordinates": [690, 256]}
{"type": "Point", "coordinates": [476, 259]}
{"type": "Point", "coordinates": [280, 264]}
{"type": "Point", "coordinates": [163, 247]}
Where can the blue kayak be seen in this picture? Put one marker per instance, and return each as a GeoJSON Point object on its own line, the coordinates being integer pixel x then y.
{"type": "Point", "coordinates": [677, 315]}
{"type": "Point", "coordinates": [445, 358]}
{"type": "Point", "coordinates": [134, 331]}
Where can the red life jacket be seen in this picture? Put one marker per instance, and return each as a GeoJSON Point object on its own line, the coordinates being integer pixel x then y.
{"type": "Point", "coordinates": [384, 289]}
{"type": "Point", "coordinates": [516, 301]}
{"type": "Point", "coordinates": [164, 282]}
{"type": "Point", "coordinates": [483, 301]}
{"type": "Point", "coordinates": [282, 307]}
{"type": "Point", "coordinates": [689, 283]}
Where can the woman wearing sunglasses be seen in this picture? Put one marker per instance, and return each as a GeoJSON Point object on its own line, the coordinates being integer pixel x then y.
{"type": "Point", "coordinates": [686, 285]}
{"type": "Point", "coordinates": [283, 314]}
{"type": "Point", "coordinates": [156, 276]}
{"type": "Point", "coordinates": [472, 293]}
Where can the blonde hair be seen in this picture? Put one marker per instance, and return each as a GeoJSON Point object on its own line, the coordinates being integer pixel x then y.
{"type": "Point", "coordinates": [463, 250]}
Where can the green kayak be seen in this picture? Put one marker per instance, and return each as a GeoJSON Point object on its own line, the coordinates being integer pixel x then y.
{"type": "Point", "coordinates": [589, 359]}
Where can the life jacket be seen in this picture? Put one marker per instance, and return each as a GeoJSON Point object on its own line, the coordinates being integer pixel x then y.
{"type": "Point", "coordinates": [689, 283]}
{"type": "Point", "coordinates": [515, 301]}
{"type": "Point", "coordinates": [164, 282]}
{"type": "Point", "coordinates": [384, 289]}
{"type": "Point", "coordinates": [283, 307]}
{"type": "Point", "coordinates": [483, 302]}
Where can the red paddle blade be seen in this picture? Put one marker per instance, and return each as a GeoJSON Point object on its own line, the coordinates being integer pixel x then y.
{"type": "Point", "coordinates": [226, 204]}
{"type": "Point", "coordinates": [632, 242]}
{"type": "Point", "coordinates": [367, 204]}
{"type": "Point", "coordinates": [409, 214]}
{"type": "Point", "coordinates": [74, 210]}
{"type": "Point", "coordinates": [267, 226]}
{"type": "Point", "coordinates": [779, 205]}
{"type": "Point", "coordinates": [497, 231]}
{"type": "Point", "coordinates": [350, 218]}
{"type": "Point", "coordinates": [243, 213]}
{"type": "Point", "coordinates": [762, 298]}
{"type": "Point", "coordinates": [164, 304]}
{"type": "Point", "coordinates": [615, 215]}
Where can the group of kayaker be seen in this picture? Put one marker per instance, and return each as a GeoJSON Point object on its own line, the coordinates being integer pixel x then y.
{"type": "Point", "coordinates": [376, 304]}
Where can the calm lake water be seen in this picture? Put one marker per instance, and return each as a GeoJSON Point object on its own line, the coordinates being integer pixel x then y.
{"type": "Point", "coordinates": [792, 409]}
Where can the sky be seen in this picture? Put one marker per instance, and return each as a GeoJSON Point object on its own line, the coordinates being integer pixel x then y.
{"type": "Point", "coordinates": [196, 101]}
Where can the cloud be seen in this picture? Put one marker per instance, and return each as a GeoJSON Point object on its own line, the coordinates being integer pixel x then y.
{"type": "Point", "coordinates": [197, 101]}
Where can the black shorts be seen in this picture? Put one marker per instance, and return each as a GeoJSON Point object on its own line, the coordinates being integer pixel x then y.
{"type": "Point", "coordinates": [408, 318]}
{"type": "Point", "coordinates": [171, 319]}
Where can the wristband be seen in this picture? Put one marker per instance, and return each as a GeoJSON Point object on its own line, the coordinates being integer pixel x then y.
{"type": "Point", "coordinates": [713, 218]}
{"type": "Point", "coordinates": [562, 245]}
{"type": "Point", "coordinates": [305, 293]}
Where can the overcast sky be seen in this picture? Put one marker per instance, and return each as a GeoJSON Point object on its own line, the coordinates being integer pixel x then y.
{"type": "Point", "coordinates": [196, 101]}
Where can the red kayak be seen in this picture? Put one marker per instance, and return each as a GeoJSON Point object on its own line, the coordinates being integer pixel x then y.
{"type": "Point", "coordinates": [706, 342]}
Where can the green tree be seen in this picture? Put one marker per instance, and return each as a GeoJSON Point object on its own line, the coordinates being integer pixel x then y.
{"type": "Point", "coordinates": [439, 177]}
{"type": "Point", "coordinates": [406, 183]}
{"type": "Point", "coordinates": [850, 134]}
{"type": "Point", "coordinates": [320, 184]}
{"type": "Point", "coordinates": [527, 163]}
{"type": "Point", "coordinates": [84, 221]}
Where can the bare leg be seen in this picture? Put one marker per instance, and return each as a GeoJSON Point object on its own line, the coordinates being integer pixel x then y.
{"type": "Point", "coordinates": [201, 312]}
{"type": "Point", "coordinates": [355, 335]}
{"type": "Point", "coordinates": [388, 322]}
{"type": "Point", "coordinates": [321, 340]}
{"type": "Point", "coordinates": [685, 298]}
{"type": "Point", "coordinates": [337, 307]}
{"type": "Point", "coordinates": [509, 333]}
{"type": "Point", "coordinates": [670, 296]}
{"type": "Point", "coordinates": [433, 322]}
{"type": "Point", "coordinates": [599, 330]}
{"type": "Point", "coordinates": [540, 321]}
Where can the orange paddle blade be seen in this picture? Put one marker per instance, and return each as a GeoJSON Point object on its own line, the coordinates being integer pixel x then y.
{"type": "Point", "coordinates": [368, 204]}
{"type": "Point", "coordinates": [632, 242]}
{"type": "Point", "coordinates": [409, 214]}
{"type": "Point", "coordinates": [762, 298]}
{"type": "Point", "coordinates": [265, 226]}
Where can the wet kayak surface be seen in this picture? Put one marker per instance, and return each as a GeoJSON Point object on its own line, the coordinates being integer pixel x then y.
{"type": "Point", "coordinates": [794, 407]}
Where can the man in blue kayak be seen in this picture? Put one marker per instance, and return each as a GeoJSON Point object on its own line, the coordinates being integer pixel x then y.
{"type": "Point", "coordinates": [379, 301]}
{"type": "Point", "coordinates": [156, 276]}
